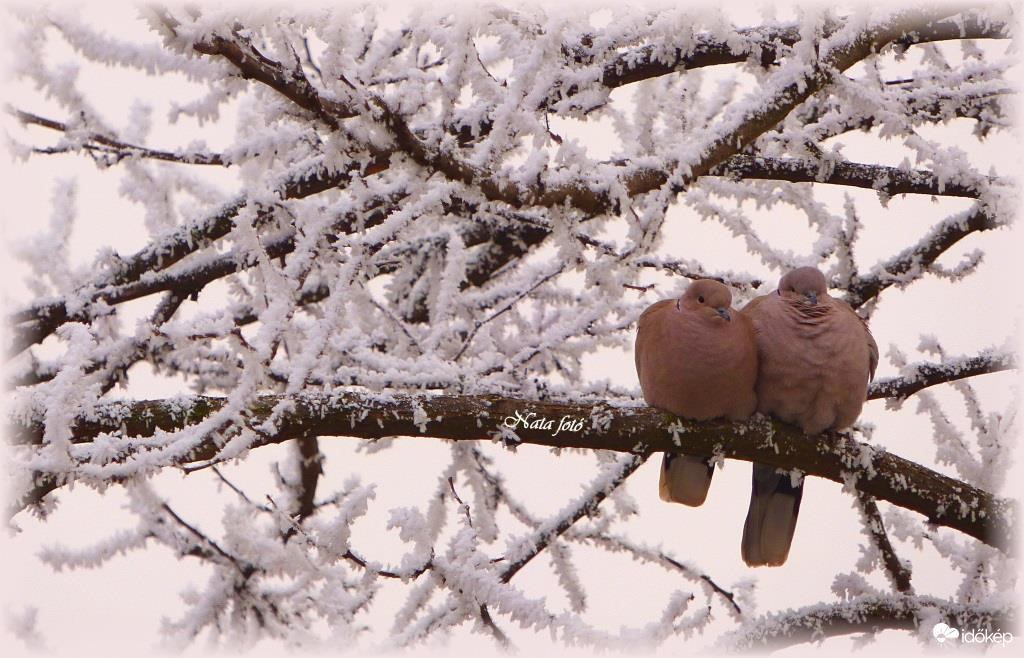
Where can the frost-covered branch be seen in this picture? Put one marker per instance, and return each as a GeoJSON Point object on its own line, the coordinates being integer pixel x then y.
{"type": "Point", "coordinates": [651, 61]}
{"type": "Point", "coordinates": [922, 375]}
{"type": "Point", "coordinates": [761, 44]}
{"type": "Point", "coordinates": [898, 572]}
{"type": "Point", "coordinates": [883, 475]}
{"type": "Point", "coordinates": [310, 466]}
{"type": "Point", "coordinates": [865, 615]}
{"type": "Point", "coordinates": [584, 506]}
{"type": "Point", "coordinates": [646, 554]}
{"type": "Point", "coordinates": [108, 146]}
{"type": "Point", "coordinates": [40, 320]}
{"type": "Point", "coordinates": [912, 263]}
{"type": "Point", "coordinates": [728, 139]}
{"type": "Point", "coordinates": [253, 64]}
{"type": "Point", "coordinates": [125, 278]}
{"type": "Point", "coordinates": [887, 180]}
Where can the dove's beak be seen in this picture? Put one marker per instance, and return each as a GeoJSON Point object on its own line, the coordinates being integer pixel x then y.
{"type": "Point", "coordinates": [724, 312]}
{"type": "Point", "coordinates": [812, 297]}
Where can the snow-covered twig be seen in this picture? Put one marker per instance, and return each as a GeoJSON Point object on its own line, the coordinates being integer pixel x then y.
{"type": "Point", "coordinates": [910, 264]}
{"type": "Point", "coordinates": [868, 614]}
{"type": "Point", "coordinates": [918, 376]}
{"type": "Point", "coordinates": [897, 571]}
{"type": "Point", "coordinates": [114, 148]}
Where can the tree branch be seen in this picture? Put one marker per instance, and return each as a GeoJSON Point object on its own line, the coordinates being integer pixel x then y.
{"type": "Point", "coordinates": [509, 244]}
{"type": "Point", "coordinates": [887, 180]}
{"type": "Point", "coordinates": [116, 147]}
{"type": "Point", "coordinates": [645, 554]}
{"type": "Point", "coordinates": [912, 263]}
{"type": "Point", "coordinates": [868, 614]}
{"type": "Point", "coordinates": [898, 572]}
{"type": "Point", "coordinates": [310, 469]}
{"type": "Point", "coordinates": [651, 61]}
{"type": "Point", "coordinates": [33, 324]}
{"type": "Point", "coordinates": [657, 60]}
{"type": "Point", "coordinates": [584, 506]}
{"type": "Point", "coordinates": [254, 65]}
{"type": "Point", "coordinates": [930, 374]}
{"type": "Point", "coordinates": [727, 140]}
{"type": "Point", "coordinates": [942, 500]}
{"type": "Point", "coordinates": [43, 319]}
{"type": "Point", "coordinates": [37, 373]}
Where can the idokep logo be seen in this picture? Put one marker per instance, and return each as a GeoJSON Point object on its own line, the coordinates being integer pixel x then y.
{"type": "Point", "coordinates": [945, 633]}
{"type": "Point", "coordinates": [942, 632]}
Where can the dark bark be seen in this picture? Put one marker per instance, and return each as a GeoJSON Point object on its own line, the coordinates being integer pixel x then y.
{"type": "Point", "coordinates": [865, 615]}
{"type": "Point", "coordinates": [930, 374]}
{"type": "Point", "coordinates": [943, 500]}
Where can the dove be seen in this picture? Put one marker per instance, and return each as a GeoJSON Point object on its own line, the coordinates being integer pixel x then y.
{"type": "Point", "coordinates": [816, 358]}
{"type": "Point", "coordinates": [696, 357]}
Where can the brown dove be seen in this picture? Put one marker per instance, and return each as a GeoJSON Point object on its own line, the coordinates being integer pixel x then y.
{"type": "Point", "coordinates": [696, 357]}
{"type": "Point", "coordinates": [815, 360]}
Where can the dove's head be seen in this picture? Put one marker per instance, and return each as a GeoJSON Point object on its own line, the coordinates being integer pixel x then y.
{"type": "Point", "coordinates": [708, 298]}
{"type": "Point", "coordinates": [804, 283]}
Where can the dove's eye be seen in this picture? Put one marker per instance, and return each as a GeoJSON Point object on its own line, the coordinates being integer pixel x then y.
{"type": "Point", "coordinates": [701, 299]}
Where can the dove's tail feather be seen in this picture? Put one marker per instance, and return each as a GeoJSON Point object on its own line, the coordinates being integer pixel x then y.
{"type": "Point", "coordinates": [685, 479]}
{"type": "Point", "coordinates": [771, 518]}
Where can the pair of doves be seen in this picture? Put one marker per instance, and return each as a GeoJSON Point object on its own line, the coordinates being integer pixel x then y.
{"type": "Point", "coordinates": [797, 354]}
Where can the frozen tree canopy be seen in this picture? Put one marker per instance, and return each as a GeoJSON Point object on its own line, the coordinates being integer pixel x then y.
{"type": "Point", "coordinates": [429, 225]}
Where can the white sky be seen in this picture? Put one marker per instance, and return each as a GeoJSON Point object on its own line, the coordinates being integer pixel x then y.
{"type": "Point", "coordinates": [117, 609]}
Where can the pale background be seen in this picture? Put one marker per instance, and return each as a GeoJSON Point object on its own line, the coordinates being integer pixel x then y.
{"type": "Point", "coordinates": [116, 610]}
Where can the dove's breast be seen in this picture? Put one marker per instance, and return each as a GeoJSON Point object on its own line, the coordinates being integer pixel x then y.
{"type": "Point", "coordinates": [813, 364]}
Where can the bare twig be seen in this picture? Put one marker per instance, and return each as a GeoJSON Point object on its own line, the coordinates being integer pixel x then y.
{"type": "Point", "coordinates": [116, 148]}
{"type": "Point", "coordinates": [897, 571]}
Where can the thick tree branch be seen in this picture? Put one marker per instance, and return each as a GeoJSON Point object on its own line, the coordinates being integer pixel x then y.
{"type": "Point", "coordinates": [508, 244]}
{"type": "Point", "coordinates": [728, 139]}
{"type": "Point", "coordinates": [733, 138]}
{"type": "Point", "coordinates": [292, 84]}
{"type": "Point", "coordinates": [828, 117]}
{"type": "Point", "coordinates": [310, 470]}
{"type": "Point", "coordinates": [865, 615]}
{"type": "Point", "coordinates": [505, 245]}
{"type": "Point", "coordinates": [942, 500]}
{"type": "Point", "coordinates": [37, 373]}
